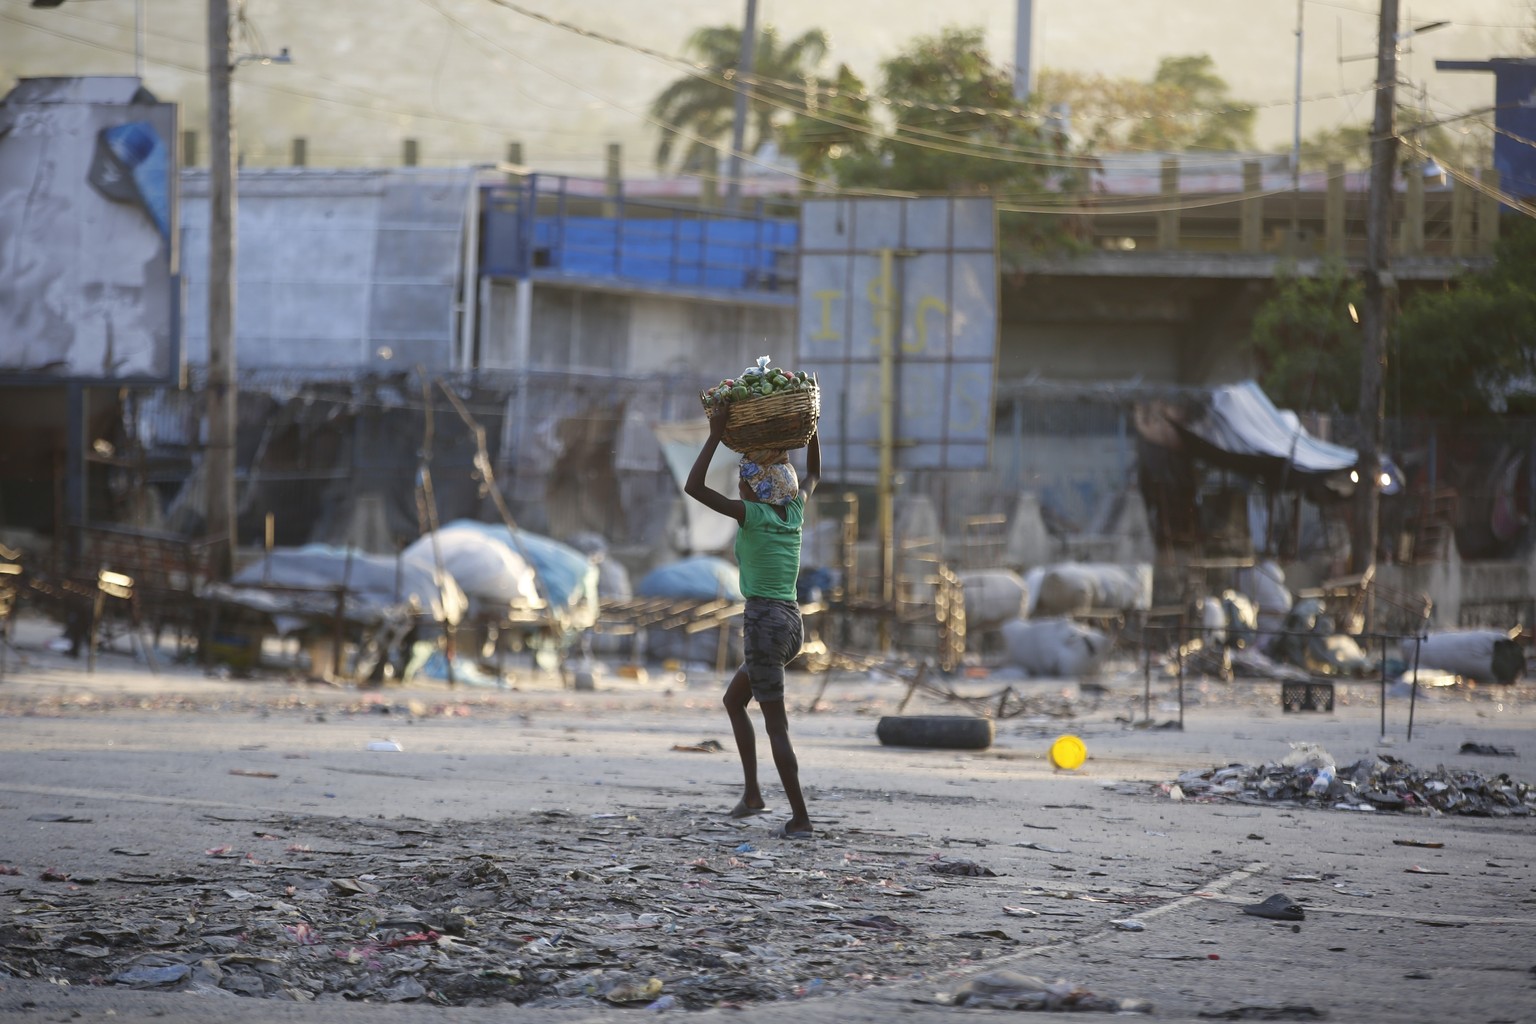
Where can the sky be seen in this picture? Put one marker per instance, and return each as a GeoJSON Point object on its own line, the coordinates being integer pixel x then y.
{"type": "Point", "coordinates": [467, 77]}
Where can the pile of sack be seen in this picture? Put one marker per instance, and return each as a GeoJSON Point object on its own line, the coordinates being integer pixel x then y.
{"type": "Point", "coordinates": [1034, 613]}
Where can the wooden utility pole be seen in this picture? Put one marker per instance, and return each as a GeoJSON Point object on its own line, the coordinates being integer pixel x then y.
{"type": "Point", "coordinates": [219, 460]}
{"type": "Point", "coordinates": [1380, 294]}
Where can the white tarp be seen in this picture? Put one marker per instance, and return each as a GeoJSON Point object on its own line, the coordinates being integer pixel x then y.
{"type": "Point", "coordinates": [1241, 420]}
{"type": "Point", "coordinates": [1245, 422]}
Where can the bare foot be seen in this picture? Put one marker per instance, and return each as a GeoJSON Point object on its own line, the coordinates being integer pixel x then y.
{"type": "Point", "coordinates": [744, 809]}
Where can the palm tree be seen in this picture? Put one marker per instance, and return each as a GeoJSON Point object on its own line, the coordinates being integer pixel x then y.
{"type": "Point", "coordinates": [699, 110]}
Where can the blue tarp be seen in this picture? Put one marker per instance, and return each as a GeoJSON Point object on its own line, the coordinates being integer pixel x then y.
{"type": "Point", "coordinates": [701, 578]}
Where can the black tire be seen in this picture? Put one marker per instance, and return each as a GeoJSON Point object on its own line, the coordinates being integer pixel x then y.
{"type": "Point", "coordinates": [949, 732]}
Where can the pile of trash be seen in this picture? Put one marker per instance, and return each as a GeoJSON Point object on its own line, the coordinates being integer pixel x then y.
{"type": "Point", "coordinates": [1378, 783]}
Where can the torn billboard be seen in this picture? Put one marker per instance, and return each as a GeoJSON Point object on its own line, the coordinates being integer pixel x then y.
{"type": "Point", "coordinates": [88, 226]}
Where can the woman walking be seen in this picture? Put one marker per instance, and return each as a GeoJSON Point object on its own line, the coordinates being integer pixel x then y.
{"type": "Point", "coordinates": [771, 513]}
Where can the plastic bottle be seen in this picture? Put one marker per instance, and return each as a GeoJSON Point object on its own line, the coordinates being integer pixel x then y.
{"type": "Point", "coordinates": [1322, 781]}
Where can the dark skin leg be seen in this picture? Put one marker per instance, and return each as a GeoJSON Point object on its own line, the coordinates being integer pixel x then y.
{"type": "Point", "coordinates": [737, 696]}
{"type": "Point", "coordinates": [776, 723]}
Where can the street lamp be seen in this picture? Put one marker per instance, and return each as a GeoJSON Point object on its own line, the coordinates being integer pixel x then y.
{"type": "Point", "coordinates": [280, 57]}
{"type": "Point", "coordinates": [1400, 38]}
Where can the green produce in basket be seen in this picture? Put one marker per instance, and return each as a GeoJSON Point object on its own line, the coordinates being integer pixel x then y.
{"type": "Point", "coordinates": [757, 381]}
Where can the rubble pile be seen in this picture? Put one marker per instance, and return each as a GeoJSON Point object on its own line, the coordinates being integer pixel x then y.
{"type": "Point", "coordinates": [1379, 783]}
{"type": "Point", "coordinates": [661, 908]}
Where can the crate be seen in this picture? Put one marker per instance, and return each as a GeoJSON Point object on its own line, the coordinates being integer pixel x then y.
{"type": "Point", "coordinates": [1306, 696]}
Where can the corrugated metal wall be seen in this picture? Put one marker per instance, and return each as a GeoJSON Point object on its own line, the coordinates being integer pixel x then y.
{"type": "Point", "coordinates": [335, 269]}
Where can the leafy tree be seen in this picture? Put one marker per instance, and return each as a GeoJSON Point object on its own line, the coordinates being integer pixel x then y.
{"type": "Point", "coordinates": [1347, 144]}
{"type": "Point", "coordinates": [1307, 343]}
{"type": "Point", "coordinates": [1217, 122]}
{"type": "Point", "coordinates": [833, 125]}
{"type": "Point", "coordinates": [1186, 105]}
{"type": "Point", "coordinates": [1468, 349]}
{"type": "Point", "coordinates": [1471, 348]}
{"type": "Point", "coordinates": [1350, 145]}
{"type": "Point", "coordinates": [932, 149]}
{"type": "Point", "coordinates": [955, 127]}
{"type": "Point", "coordinates": [705, 109]}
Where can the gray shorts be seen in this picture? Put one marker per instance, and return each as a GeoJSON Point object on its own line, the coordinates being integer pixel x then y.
{"type": "Point", "coordinates": [772, 633]}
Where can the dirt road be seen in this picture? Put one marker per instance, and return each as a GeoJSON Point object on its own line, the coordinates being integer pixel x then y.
{"type": "Point", "coordinates": [177, 846]}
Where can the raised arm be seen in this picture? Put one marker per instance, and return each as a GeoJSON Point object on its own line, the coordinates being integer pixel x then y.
{"type": "Point", "coordinates": [700, 491]}
{"type": "Point", "coordinates": [812, 465]}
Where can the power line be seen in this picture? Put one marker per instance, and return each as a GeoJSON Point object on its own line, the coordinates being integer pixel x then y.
{"type": "Point", "coordinates": [679, 130]}
{"type": "Point", "coordinates": [827, 187]}
{"type": "Point", "coordinates": [1514, 202]}
{"type": "Point", "coordinates": [1054, 202]}
{"type": "Point", "coordinates": [731, 75]}
{"type": "Point", "coordinates": [383, 111]}
{"type": "Point", "coordinates": [945, 142]}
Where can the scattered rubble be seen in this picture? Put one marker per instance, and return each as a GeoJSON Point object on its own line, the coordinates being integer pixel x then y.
{"type": "Point", "coordinates": [1286, 1011]}
{"type": "Point", "coordinates": [656, 908]}
{"type": "Point", "coordinates": [1379, 783]}
{"type": "Point", "coordinates": [1012, 990]}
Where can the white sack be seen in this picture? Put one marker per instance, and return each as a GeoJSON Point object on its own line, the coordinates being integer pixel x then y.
{"type": "Point", "coordinates": [1265, 584]}
{"type": "Point", "coordinates": [485, 568]}
{"type": "Point", "coordinates": [1073, 587]}
{"type": "Point", "coordinates": [1470, 652]}
{"type": "Point", "coordinates": [1054, 647]}
{"type": "Point", "coordinates": [992, 597]}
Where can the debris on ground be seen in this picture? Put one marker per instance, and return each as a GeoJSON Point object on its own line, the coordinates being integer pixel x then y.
{"type": "Point", "coordinates": [1288, 1011]}
{"type": "Point", "coordinates": [547, 909]}
{"type": "Point", "coordinates": [701, 747]}
{"type": "Point", "coordinates": [1486, 750]}
{"type": "Point", "coordinates": [1278, 907]}
{"type": "Point", "coordinates": [1378, 783]}
{"type": "Point", "coordinates": [966, 868]}
{"type": "Point", "coordinates": [1013, 990]}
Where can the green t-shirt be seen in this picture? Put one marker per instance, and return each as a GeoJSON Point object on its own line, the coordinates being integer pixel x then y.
{"type": "Point", "coordinates": [768, 549]}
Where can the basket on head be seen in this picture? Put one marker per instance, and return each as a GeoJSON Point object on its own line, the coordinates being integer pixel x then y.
{"type": "Point", "coordinates": [783, 420]}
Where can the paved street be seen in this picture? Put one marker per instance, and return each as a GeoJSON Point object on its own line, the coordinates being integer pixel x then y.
{"type": "Point", "coordinates": [121, 788]}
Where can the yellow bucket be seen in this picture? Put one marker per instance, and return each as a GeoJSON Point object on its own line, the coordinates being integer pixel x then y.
{"type": "Point", "coordinates": [1068, 753]}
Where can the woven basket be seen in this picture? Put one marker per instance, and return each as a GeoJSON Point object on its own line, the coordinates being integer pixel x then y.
{"type": "Point", "coordinates": [781, 421]}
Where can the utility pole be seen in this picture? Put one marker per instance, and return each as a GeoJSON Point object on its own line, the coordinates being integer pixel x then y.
{"type": "Point", "coordinates": [1380, 294]}
{"type": "Point", "coordinates": [1296, 142]}
{"type": "Point", "coordinates": [219, 457]}
{"type": "Point", "coordinates": [1023, 49]}
{"type": "Point", "coordinates": [743, 94]}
